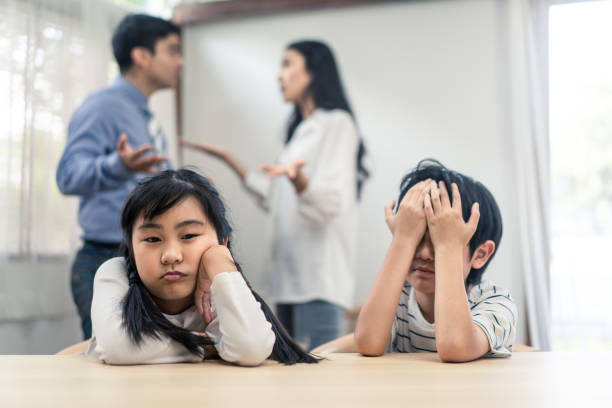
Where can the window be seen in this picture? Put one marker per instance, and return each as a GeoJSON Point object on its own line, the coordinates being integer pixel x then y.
{"type": "Point", "coordinates": [580, 66]}
{"type": "Point", "coordinates": [50, 59]}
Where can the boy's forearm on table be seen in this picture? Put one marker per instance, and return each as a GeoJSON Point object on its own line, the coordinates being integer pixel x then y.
{"type": "Point", "coordinates": [375, 320]}
{"type": "Point", "coordinates": [454, 324]}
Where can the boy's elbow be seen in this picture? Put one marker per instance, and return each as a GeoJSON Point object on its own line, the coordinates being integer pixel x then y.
{"type": "Point", "coordinates": [369, 346]}
{"type": "Point", "coordinates": [454, 351]}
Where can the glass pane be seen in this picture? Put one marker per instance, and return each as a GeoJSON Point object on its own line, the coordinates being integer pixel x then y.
{"type": "Point", "coordinates": [581, 160]}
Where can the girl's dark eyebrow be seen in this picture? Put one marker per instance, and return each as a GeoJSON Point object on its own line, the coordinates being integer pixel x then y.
{"type": "Point", "coordinates": [149, 225]}
{"type": "Point", "coordinates": [188, 222]}
{"type": "Point", "coordinates": [177, 226]}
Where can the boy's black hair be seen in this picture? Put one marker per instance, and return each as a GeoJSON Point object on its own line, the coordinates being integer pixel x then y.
{"type": "Point", "coordinates": [141, 316]}
{"type": "Point", "coordinates": [139, 30]}
{"type": "Point", "coordinates": [490, 223]}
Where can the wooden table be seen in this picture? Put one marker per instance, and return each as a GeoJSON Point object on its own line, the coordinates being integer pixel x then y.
{"type": "Point", "coordinates": [395, 380]}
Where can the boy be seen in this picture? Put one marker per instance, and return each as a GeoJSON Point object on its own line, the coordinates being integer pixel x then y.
{"type": "Point", "coordinates": [442, 243]}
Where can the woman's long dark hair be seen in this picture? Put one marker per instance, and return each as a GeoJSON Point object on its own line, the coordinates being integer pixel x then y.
{"type": "Point", "coordinates": [327, 92]}
{"type": "Point", "coordinates": [141, 316]}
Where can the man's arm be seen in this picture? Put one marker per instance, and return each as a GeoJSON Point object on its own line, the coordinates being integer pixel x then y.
{"type": "Point", "coordinates": [96, 157]}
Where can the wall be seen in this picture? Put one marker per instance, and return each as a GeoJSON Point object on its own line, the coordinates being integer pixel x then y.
{"type": "Point", "coordinates": [425, 78]}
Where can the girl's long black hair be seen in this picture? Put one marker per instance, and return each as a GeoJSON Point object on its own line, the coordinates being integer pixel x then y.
{"type": "Point", "coordinates": [328, 93]}
{"type": "Point", "coordinates": [141, 316]}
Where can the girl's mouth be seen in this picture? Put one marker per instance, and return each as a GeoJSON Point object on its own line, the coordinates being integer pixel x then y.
{"type": "Point", "coordinates": [173, 276]}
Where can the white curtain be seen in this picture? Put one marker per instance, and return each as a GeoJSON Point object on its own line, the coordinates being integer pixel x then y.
{"type": "Point", "coordinates": [52, 54]}
{"type": "Point", "coordinates": [528, 43]}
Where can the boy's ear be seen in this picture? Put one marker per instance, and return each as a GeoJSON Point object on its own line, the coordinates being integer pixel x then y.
{"type": "Point", "coordinates": [482, 254]}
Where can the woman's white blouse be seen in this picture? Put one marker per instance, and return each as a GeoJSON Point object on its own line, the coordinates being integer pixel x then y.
{"type": "Point", "coordinates": [313, 245]}
{"type": "Point", "coordinates": [241, 333]}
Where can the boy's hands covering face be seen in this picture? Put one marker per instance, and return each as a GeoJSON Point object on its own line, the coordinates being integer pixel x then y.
{"type": "Point", "coordinates": [410, 220]}
{"type": "Point", "coordinates": [445, 221]}
{"type": "Point", "coordinates": [215, 259]}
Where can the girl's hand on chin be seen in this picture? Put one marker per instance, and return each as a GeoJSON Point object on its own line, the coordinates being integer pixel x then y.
{"type": "Point", "coordinates": [215, 259]}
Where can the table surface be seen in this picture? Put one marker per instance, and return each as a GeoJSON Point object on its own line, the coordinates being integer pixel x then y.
{"type": "Point", "coordinates": [525, 379]}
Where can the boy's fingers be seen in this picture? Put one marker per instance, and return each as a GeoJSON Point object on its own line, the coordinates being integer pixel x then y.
{"type": "Point", "coordinates": [414, 192]}
{"type": "Point", "coordinates": [389, 210]}
{"type": "Point", "coordinates": [456, 197]}
{"type": "Point", "coordinates": [474, 218]}
{"type": "Point", "coordinates": [421, 202]}
{"type": "Point", "coordinates": [444, 199]}
{"type": "Point", "coordinates": [428, 208]}
{"type": "Point", "coordinates": [435, 197]}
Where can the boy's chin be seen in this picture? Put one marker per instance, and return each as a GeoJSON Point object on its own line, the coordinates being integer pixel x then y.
{"type": "Point", "coordinates": [427, 287]}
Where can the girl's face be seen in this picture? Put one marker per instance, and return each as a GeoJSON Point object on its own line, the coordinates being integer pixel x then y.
{"type": "Point", "coordinates": [294, 78]}
{"type": "Point", "coordinates": [167, 251]}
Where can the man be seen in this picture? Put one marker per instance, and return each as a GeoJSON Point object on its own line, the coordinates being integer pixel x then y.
{"type": "Point", "coordinates": [113, 142]}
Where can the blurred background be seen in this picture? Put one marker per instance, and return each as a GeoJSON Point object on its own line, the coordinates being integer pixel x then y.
{"type": "Point", "coordinates": [516, 93]}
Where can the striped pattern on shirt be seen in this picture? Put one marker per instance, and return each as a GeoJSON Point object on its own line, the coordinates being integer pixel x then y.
{"type": "Point", "coordinates": [492, 309]}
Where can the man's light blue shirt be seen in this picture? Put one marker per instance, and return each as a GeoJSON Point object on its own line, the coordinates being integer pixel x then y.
{"type": "Point", "coordinates": [90, 166]}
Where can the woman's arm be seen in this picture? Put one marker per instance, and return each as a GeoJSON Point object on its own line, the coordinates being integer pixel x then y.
{"type": "Point", "coordinates": [256, 184]}
{"type": "Point", "coordinates": [221, 153]}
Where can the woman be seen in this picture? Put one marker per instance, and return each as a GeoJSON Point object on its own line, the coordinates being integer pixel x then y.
{"type": "Point", "coordinates": [312, 192]}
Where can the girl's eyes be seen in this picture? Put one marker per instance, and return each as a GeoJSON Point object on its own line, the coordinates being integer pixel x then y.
{"type": "Point", "coordinates": [156, 239]}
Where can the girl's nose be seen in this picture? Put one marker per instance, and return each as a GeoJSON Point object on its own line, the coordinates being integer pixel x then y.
{"type": "Point", "coordinates": [171, 255]}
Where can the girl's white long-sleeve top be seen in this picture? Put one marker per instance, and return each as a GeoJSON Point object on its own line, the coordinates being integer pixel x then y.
{"type": "Point", "coordinates": [313, 237]}
{"type": "Point", "coordinates": [241, 333]}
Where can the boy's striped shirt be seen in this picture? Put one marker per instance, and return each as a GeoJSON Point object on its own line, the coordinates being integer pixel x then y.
{"type": "Point", "coordinates": [492, 309]}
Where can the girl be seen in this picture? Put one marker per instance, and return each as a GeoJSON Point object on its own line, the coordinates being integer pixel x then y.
{"type": "Point", "coordinates": [176, 252]}
{"type": "Point", "coordinates": [312, 197]}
